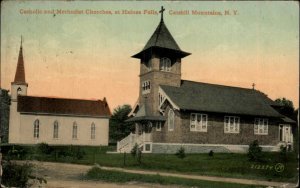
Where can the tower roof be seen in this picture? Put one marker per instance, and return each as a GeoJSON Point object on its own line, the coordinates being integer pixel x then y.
{"type": "Point", "coordinates": [162, 39]}
{"type": "Point", "coordinates": [20, 72]}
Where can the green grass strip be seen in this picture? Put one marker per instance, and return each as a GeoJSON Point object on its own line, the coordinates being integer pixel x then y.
{"type": "Point", "coordinates": [122, 177]}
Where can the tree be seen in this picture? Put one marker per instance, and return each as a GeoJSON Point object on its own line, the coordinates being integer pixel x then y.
{"type": "Point", "coordinates": [4, 114]}
{"type": "Point", "coordinates": [118, 128]}
{"type": "Point", "coordinates": [287, 107]}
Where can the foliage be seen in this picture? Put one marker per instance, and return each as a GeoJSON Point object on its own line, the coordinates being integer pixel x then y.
{"type": "Point", "coordinates": [118, 128]}
{"type": "Point", "coordinates": [44, 148]}
{"type": "Point", "coordinates": [121, 177]}
{"type": "Point", "coordinates": [15, 175]}
{"type": "Point", "coordinates": [283, 152]}
{"type": "Point", "coordinates": [180, 153]}
{"type": "Point", "coordinates": [17, 152]}
{"type": "Point", "coordinates": [211, 153]}
{"type": "Point", "coordinates": [136, 153]}
{"type": "Point", "coordinates": [287, 107]}
{"type": "Point", "coordinates": [134, 150]}
{"type": "Point", "coordinates": [255, 151]}
{"type": "Point", "coordinates": [4, 114]}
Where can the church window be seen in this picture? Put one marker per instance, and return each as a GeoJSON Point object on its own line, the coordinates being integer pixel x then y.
{"type": "Point", "coordinates": [165, 64]}
{"type": "Point", "coordinates": [231, 124]}
{"type": "Point", "coordinates": [74, 132]}
{"type": "Point", "coordinates": [19, 90]}
{"type": "Point", "coordinates": [158, 126]}
{"type": "Point", "coordinates": [36, 129]}
{"type": "Point", "coordinates": [171, 116]}
{"type": "Point", "coordinates": [261, 126]}
{"type": "Point", "coordinates": [55, 129]}
{"type": "Point", "coordinates": [149, 64]}
{"type": "Point", "coordinates": [161, 98]}
{"type": "Point", "coordinates": [93, 131]}
{"type": "Point", "coordinates": [146, 86]}
{"type": "Point", "coordinates": [198, 122]}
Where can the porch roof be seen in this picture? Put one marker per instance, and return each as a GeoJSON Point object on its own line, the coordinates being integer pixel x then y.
{"type": "Point", "coordinates": [143, 114]}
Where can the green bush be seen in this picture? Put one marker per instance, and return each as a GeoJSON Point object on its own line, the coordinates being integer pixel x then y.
{"type": "Point", "coordinates": [211, 153]}
{"type": "Point", "coordinates": [15, 175]}
{"type": "Point", "coordinates": [16, 152]}
{"type": "Point", "coordinates": [255, 151]}
{"type": "Point", "coordinates": [44, 148]}
{"type": "Point", "coordinates": [134, 150]}
{"type": "Point", "coordinates": [283, 153]}
{"type": "Point", "coordinates": [180, 153]}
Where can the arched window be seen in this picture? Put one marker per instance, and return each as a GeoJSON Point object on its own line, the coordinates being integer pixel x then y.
{"type": "Point", "coordinates": [55, 129]}
{"type": "Point", "coordinates": [19, 90]}
{"type": "Point", "coordinates": [74, 132]}
{"type": "Point", "coordinates": [93, 131]}
{"type": "Point", "coordinates": [165, 64]}
{"type": "Point", "coordinates": [36, 129]}
{"type": "Point", "coordinates": [171, 116]}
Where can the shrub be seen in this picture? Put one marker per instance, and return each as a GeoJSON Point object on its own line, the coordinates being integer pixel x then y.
{"type": "Point", "coordinates": [180, 153]}
{"type": "Point", "coordinates": [16, 152]}
{"type": "Point", "coordinates": [255, 151]}
{"type": "Point", "coordinates": [211, 153]}
{"type": "Point", "coordinates": [15, 175]}
{"type": "Point", "coordinates": [134, 150]}
{"type": "Point", "coordinates": [44, 148]}
{"type": "Point", "coordinates": [283, 152]}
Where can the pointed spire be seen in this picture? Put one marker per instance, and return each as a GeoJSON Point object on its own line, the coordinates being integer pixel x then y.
{"type": "Point", "coordinates": [20, 72]}
{"type": "Point", "coordinates": [163, 39]}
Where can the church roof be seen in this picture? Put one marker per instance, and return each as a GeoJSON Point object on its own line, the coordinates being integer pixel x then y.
{"type": "Point", "coordinates": [20, 72]}
{"type": "Point", "coordinates": [162, 39]}
{"type": "Point", "coordinates": [197, 96]}
{"type": "Point", "coordinates": [61, 106]}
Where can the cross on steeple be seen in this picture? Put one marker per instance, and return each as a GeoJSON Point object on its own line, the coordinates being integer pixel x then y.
{"type": "Point", "coordinates": [21, 40]}
{"type": "Point", "coordinates": [162, 13]}
{"type": "Point", "coordinates": [253, 86]}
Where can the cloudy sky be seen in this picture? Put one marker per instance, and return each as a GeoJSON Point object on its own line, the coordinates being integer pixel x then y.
{"type": "Point", "coordinates": [88, 56]}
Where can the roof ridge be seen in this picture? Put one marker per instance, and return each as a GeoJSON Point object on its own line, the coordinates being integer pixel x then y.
{"type": "Point", "coordinates": [53, 97]}
{"type": "Point", "coordinates": [222, 85]}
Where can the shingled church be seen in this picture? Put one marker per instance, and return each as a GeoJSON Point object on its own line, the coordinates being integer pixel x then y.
{"type": "Point", "coordinates": [56, 121]}
{"type": "Point", "coordinates": [171, 113]}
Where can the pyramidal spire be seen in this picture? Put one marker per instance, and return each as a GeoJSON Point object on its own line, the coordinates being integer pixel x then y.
{"type": "Point", "coordinates": [161, 39]}
{"type": "Point", "coordinates": [20, 72]}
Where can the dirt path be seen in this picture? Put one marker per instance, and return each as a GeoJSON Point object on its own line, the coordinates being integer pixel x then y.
{"type": "Point", "coordinates": [68, 175]}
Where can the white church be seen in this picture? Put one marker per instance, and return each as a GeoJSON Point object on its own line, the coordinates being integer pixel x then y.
{"type": "Point", "coordinates": [55, 121]}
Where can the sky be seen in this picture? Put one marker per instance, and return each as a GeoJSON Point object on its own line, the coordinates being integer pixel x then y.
{"type": "Point", "coordinates": [88, 56]}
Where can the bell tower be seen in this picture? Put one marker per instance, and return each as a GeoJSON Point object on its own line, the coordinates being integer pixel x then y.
{"type": "Point", "coordinates": [18, 87]}
{"type": "Point", "coordinates": [160, 64]}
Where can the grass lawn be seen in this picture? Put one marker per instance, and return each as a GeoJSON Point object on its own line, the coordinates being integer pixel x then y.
{"type": "Point", "coordinates": [122, 177]}
{"type": "Point", "coordinates": [220, 164]}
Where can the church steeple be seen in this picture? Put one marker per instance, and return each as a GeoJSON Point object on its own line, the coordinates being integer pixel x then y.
{"type": "Point", "coordinates": [19, 85]}
{"type": "Point", "coordinates": [161, 40]}
{"type": "Point", "coordinates": [20, 71]}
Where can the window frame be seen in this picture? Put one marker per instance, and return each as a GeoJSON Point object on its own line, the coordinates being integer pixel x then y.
{"type": "Point", "coordinates": [198, 124]}
{"type": "Point", "coordinates": [55, 129]}
{"type": "Point", "coordinates": [235, 125]}
{"type": "Point", "coordinates": [171, 120]}
{"type": "Point", "coordinates": [146, 87]}
{"type": "Point", "coordinates": [165, 64]}
{"type": "Point", "coordinates": [93, 131]}
{"type": "Point", "coordinates": [75, 131]}
{"type": "Point", "coordinates": [158, 126]}
{"type": "Point", "coordinates": [263, 127]}
{"type": "Point", "coordinates": [36, 129]}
